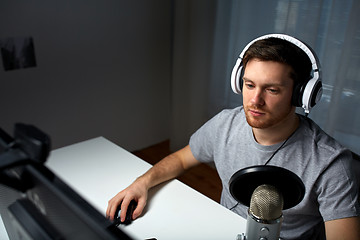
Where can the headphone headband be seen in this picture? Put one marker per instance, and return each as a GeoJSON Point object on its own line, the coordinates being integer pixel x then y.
{"type": "Point", "coordinates": [295, 41]}
{"type": "Point", "coordinates": [310, 93]}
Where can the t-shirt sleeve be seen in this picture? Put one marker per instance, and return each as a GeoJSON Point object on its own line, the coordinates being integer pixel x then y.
{"type": "Point", "coordinates": [203, 140]}
{"type": "Point", "coordinates": [338, 189]}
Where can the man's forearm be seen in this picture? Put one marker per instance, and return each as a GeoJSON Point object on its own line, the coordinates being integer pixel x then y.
{"type": "Point", "coordinates": [169, 168]}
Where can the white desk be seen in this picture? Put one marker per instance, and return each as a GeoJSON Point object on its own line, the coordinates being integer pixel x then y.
{"type": "Point", "coordinates": [98, 169]}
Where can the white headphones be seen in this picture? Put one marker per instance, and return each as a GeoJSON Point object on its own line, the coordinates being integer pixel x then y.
{"type": "Point", "coordinates": [309, 94]}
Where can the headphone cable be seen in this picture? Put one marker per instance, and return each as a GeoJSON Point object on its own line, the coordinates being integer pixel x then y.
{"type": "Point", "coordinates": [279, 148]}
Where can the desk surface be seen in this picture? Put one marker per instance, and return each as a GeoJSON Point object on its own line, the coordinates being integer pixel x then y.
{"type": "Point", "coordinates": [98, 169]}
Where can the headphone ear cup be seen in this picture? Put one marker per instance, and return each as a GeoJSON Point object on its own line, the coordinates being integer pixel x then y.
{"type": "Point", "coordinates": [241, 74]}
{"type": "Point", "coordinates": [308, 95]}
{"type": "Point", "coordinates": [297, 95]}
{"type": "Point", "coordinates": [315, 94]}
{"type": "Point", "coordinates": [236, 77]}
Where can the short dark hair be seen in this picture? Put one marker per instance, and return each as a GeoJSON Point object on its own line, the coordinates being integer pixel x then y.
{"type": "Point", "coordinates": [283, 51]}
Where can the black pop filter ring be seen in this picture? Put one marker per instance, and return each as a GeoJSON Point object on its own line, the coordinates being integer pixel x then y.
{"type": "Point", "coordinates": [243, 183]}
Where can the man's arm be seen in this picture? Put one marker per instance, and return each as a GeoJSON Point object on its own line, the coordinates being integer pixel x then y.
{"type": "Point", "coordinates": [168, 168]}
{"type": "Point", "coordinates": [343, 229]}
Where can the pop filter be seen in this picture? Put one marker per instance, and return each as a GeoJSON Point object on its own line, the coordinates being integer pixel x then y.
{"type": "Point", "coordinates": [243, 183]}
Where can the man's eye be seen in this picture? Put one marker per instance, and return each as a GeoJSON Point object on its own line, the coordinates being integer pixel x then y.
{"type": "Point", "coordinates": [271, 90]}
{"type": "Point", "coordinates": [249, 85]}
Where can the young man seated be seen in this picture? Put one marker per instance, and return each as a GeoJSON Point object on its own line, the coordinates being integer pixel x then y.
{"type": "Point", "coordinates": [275, 74]}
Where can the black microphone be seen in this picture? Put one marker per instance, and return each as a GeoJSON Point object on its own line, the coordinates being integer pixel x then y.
{"type": "Point", "coordinates": [266, 190]}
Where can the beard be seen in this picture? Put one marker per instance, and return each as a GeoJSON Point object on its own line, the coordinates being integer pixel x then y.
{"type": "Point", "coordinates": [268, 119]}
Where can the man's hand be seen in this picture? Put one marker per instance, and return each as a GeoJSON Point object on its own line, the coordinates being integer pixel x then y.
{"type": "Point", "coordinates": [136, 191]}
{"type": "Point", "coordinates": [168, 168]}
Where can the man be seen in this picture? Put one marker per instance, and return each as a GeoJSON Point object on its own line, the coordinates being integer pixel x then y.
{"type": "Point", "coordinates": [274, 76]}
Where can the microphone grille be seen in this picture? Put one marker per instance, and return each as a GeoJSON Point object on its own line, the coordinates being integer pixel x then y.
{"type": "Point", "coordinates": [266, 202]}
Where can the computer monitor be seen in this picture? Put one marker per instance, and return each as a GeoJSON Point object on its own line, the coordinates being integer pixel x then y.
{"type": "Point", "coordinates": [35, 203]}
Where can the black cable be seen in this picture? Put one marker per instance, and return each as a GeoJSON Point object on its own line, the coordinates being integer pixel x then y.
{"type": "Point", "coordinates": [234, 206]}
{"type": "Point", "coordinates": [279, 148]}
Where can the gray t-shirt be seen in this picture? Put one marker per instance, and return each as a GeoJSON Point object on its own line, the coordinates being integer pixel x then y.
{"type": "Point", "coordinates": [323, 165]}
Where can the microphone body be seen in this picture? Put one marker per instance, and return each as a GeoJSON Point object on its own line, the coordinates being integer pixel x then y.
{"type": "Point", "coordinates": [264, 215]}
{"type": "Point", "coordinates": [259, 229]}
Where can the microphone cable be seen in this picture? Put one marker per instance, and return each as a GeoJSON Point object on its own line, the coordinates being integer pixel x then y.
{"type": "Point", "coordinates": [282, 145]}
{"type": "Point", "coordinates": [234, 206]}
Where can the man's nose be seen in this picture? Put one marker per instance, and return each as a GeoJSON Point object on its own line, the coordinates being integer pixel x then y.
{"type": "Point", "coordinates": [258, 98]}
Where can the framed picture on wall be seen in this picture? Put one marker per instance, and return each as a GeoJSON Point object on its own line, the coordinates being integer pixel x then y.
{"type": "Point", "coordinates": [17, 53]}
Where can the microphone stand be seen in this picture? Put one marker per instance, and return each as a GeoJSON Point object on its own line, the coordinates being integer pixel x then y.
{"type": "Point", "coordinates": [245, 181]}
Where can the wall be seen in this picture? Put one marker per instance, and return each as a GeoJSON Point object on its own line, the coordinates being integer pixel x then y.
{"type": "Point", "coordinates": [194, 27]}
{"type": "Point", "coordinates": [103, 69]}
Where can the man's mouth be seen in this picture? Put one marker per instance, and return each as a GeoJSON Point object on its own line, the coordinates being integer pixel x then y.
{"type": "Point", "coordinates": [255, 113]}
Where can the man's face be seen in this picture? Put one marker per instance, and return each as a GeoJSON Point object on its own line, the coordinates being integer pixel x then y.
{"type": "Point", "coordinates": [267, 91]}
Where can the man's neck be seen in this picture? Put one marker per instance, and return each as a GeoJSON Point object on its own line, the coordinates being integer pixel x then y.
{"type": "Point", "coordinates": [276, 133]}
